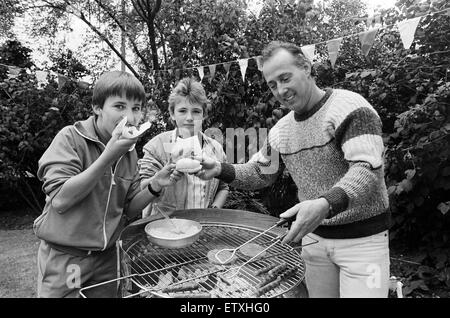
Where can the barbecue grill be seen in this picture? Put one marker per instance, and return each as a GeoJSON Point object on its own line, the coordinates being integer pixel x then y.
{"type": "Point", "coordinates": [146, 270]}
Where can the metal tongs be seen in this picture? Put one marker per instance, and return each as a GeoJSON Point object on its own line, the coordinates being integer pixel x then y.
{"type": "Point", "coordinates": [275, 240]}
{"type": "Point", "coordinates": [233, 250]}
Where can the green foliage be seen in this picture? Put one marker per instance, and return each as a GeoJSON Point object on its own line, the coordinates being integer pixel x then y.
{"type": "Point", "coordinates": [31, 117]}
{"type": "Point", "coordinates": [13, 53]}
{"type": "Point", "coordinates": [65, 63]}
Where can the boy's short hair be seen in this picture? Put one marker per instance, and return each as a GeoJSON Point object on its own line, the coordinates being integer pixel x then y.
{"type": "Point", "coordinates": [191, 89]}
{"type": "Point", "coordinates": [117, 83]}
{"type": "Point", "coordinates": [296, 51]}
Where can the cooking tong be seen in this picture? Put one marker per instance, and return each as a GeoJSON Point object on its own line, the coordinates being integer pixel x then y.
{"type": "Point", "coordinates": [281, 222]}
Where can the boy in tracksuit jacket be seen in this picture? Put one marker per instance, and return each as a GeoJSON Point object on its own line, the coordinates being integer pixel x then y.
{"type": "Point", "coordinates": [91, 181]}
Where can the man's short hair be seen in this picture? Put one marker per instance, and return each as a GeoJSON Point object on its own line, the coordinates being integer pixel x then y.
{"type": "Point", "coordinates": [191, 89]}
{"type": "Point", "coordinates": [296, 51]}
{"type": "Point", "coordinates": [117, 83]}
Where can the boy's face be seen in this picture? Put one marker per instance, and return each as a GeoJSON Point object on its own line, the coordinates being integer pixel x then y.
{"type": "Point", "coordinates": [114, 110]}
{"type": "Point", "coordinates": [188, 117]}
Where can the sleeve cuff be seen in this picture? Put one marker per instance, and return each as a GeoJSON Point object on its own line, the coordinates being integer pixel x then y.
{"type": "Point", "coordinates": [227, 174]}
{"type": "Point", "coordinates": [338, 200]}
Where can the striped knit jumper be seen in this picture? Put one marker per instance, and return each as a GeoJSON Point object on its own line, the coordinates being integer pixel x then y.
{"type": "Point", "coordinates": [334, 151]}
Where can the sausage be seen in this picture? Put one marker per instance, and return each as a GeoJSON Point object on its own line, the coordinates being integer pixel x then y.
{"type": "Point", "coordinates": [190, 295]}
{"type": "Point", "coordinates": [278, 269]}
{"type": "Point", "coordinates": [272, 281]}
{"type": "Point", "coordinates": [181, 287]}
{"type": "Point", "coordinates": [265, 269]}
{"type": "Point", "coordinates": [262, 290]}
{"type": "Point", "coordinates": [266, 280]}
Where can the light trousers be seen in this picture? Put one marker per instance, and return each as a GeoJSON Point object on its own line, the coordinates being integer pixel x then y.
{"type": "Point", "coordinates": [62, 275]}
{"type": "Point", "coordinates": [347, 268]}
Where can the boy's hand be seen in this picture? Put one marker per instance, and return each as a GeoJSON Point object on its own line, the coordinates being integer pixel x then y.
{"type": "Point", "coordinates": [117, 146]}
{"type": "Point", "coordinates": [166, 176]}
{"type": "Point", "coordinates": [211, 168]}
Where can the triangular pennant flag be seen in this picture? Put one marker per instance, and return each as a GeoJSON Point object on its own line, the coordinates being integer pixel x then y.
{"type": "Point", "coordinates": [367, 38]}
{"type": "Point", "coordinates": [309, 51]}
{"type": "Point", "coordinates": [212, 72]}
{"type": "Point", "coordinates": [200, 72]}
{"type": "Point", "coordinates": [243, 63]}
{"type": "Point", "coordinates": [62, 79]}
{"type": "Point", "coordinates": [333, 49]}
{"type": "Point", "coordinates": [407, 30]}
{"type": "Point", "coordinates": [226, 66]}
{"type": "Point", "coordinates": [258, 60]}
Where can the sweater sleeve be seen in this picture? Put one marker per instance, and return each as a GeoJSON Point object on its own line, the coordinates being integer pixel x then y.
{"type": "Point", "coordinates": [358, 133]}
{"type": "Point", "coordinates": [259, 172]}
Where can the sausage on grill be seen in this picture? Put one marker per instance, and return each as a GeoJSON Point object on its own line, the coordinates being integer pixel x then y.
{"type": "Point", "coordinates": [265, 269]}
{"type": "Point", "coordinates": [190, 295]}
{"type": "Point", "coordinates": [181, 287]}
{"type": "Point", "coordinates": [274, 282]}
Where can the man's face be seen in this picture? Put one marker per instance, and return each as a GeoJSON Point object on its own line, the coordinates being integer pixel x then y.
{"type": "Point", "coordinates": [114, 110]}
{"type": "Point", "coordinates": [188, 117]}
{"type": "Point", "coordinates": [290, 84]}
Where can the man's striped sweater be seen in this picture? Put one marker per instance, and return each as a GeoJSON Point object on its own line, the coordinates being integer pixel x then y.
{"type": "Point", "coordinates": [334, 151]}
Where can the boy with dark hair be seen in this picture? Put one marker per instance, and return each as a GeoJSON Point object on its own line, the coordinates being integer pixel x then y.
{"type": "Point", "coordinates": [92, 188]}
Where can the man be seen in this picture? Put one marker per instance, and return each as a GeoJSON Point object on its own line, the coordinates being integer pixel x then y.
{"type": "Point", "coordinates": [331, 145]}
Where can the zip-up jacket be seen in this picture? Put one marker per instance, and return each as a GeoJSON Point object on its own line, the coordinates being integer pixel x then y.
{"type": "Point", "coordinates": [94, 222]}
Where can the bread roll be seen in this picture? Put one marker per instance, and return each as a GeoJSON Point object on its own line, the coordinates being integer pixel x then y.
{"type": "Point", "coordinates": [188, 165]}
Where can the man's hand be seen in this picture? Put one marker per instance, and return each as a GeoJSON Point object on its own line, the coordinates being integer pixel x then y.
{"type": "Point", "coordinates": [310, 214]}
{"type": "Point", "coordinates": [211, 168]}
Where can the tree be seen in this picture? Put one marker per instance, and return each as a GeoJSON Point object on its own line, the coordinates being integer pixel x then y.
{"type": "Point", "coordinates": [107, 20]}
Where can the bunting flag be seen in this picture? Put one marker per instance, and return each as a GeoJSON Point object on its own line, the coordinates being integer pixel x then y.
{"type": "Point", "coordinates": [212, 72]}
{"type": "Point", "coordinates": [259, 62]}
{"type": "Point", "coordinates": [367, 38]}
{"type": "Point", "coordinates": [333, 50]}
{"type": "Point", "coordinates": [243, 63]}
{"type": "Point", "coordinates": [226, 66]}
{"type": "Point", "coordinates": [200, 72]}
{"type": "Point", "coordinates": [62, 79]}
{"type": "Point", "coordinates": [309, 51]}
{"type": "Point", "coordinates": [407, 30]}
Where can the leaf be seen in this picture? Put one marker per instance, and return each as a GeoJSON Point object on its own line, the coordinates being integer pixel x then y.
{"type": "Point", "coordinates": [435, 135]}
{"type": "Point", "coordinates": [391, 190]}
{"type": "Point", "coordinates": [383, 96]}
{"type": "Point", "coordinates": [404, 186]}
{"type": "Point", "coordinates": [444, 207]}
{"type": "Point", "coordinates": [410, 173]}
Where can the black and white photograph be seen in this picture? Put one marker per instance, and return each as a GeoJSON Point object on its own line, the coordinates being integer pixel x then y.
{"type": "Point", "coordinates": [226, 156]}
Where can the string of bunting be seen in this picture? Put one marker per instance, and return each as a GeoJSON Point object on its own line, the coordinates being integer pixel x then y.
{"type": "Point", "coordinates": [406, 28]}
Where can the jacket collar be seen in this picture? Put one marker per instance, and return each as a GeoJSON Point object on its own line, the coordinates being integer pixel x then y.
{"type": "Point", "coordinates": [86, 128]}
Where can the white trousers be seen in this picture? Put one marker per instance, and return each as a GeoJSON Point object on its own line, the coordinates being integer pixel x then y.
{"type": "Point", "coordinates": [347, 268]}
